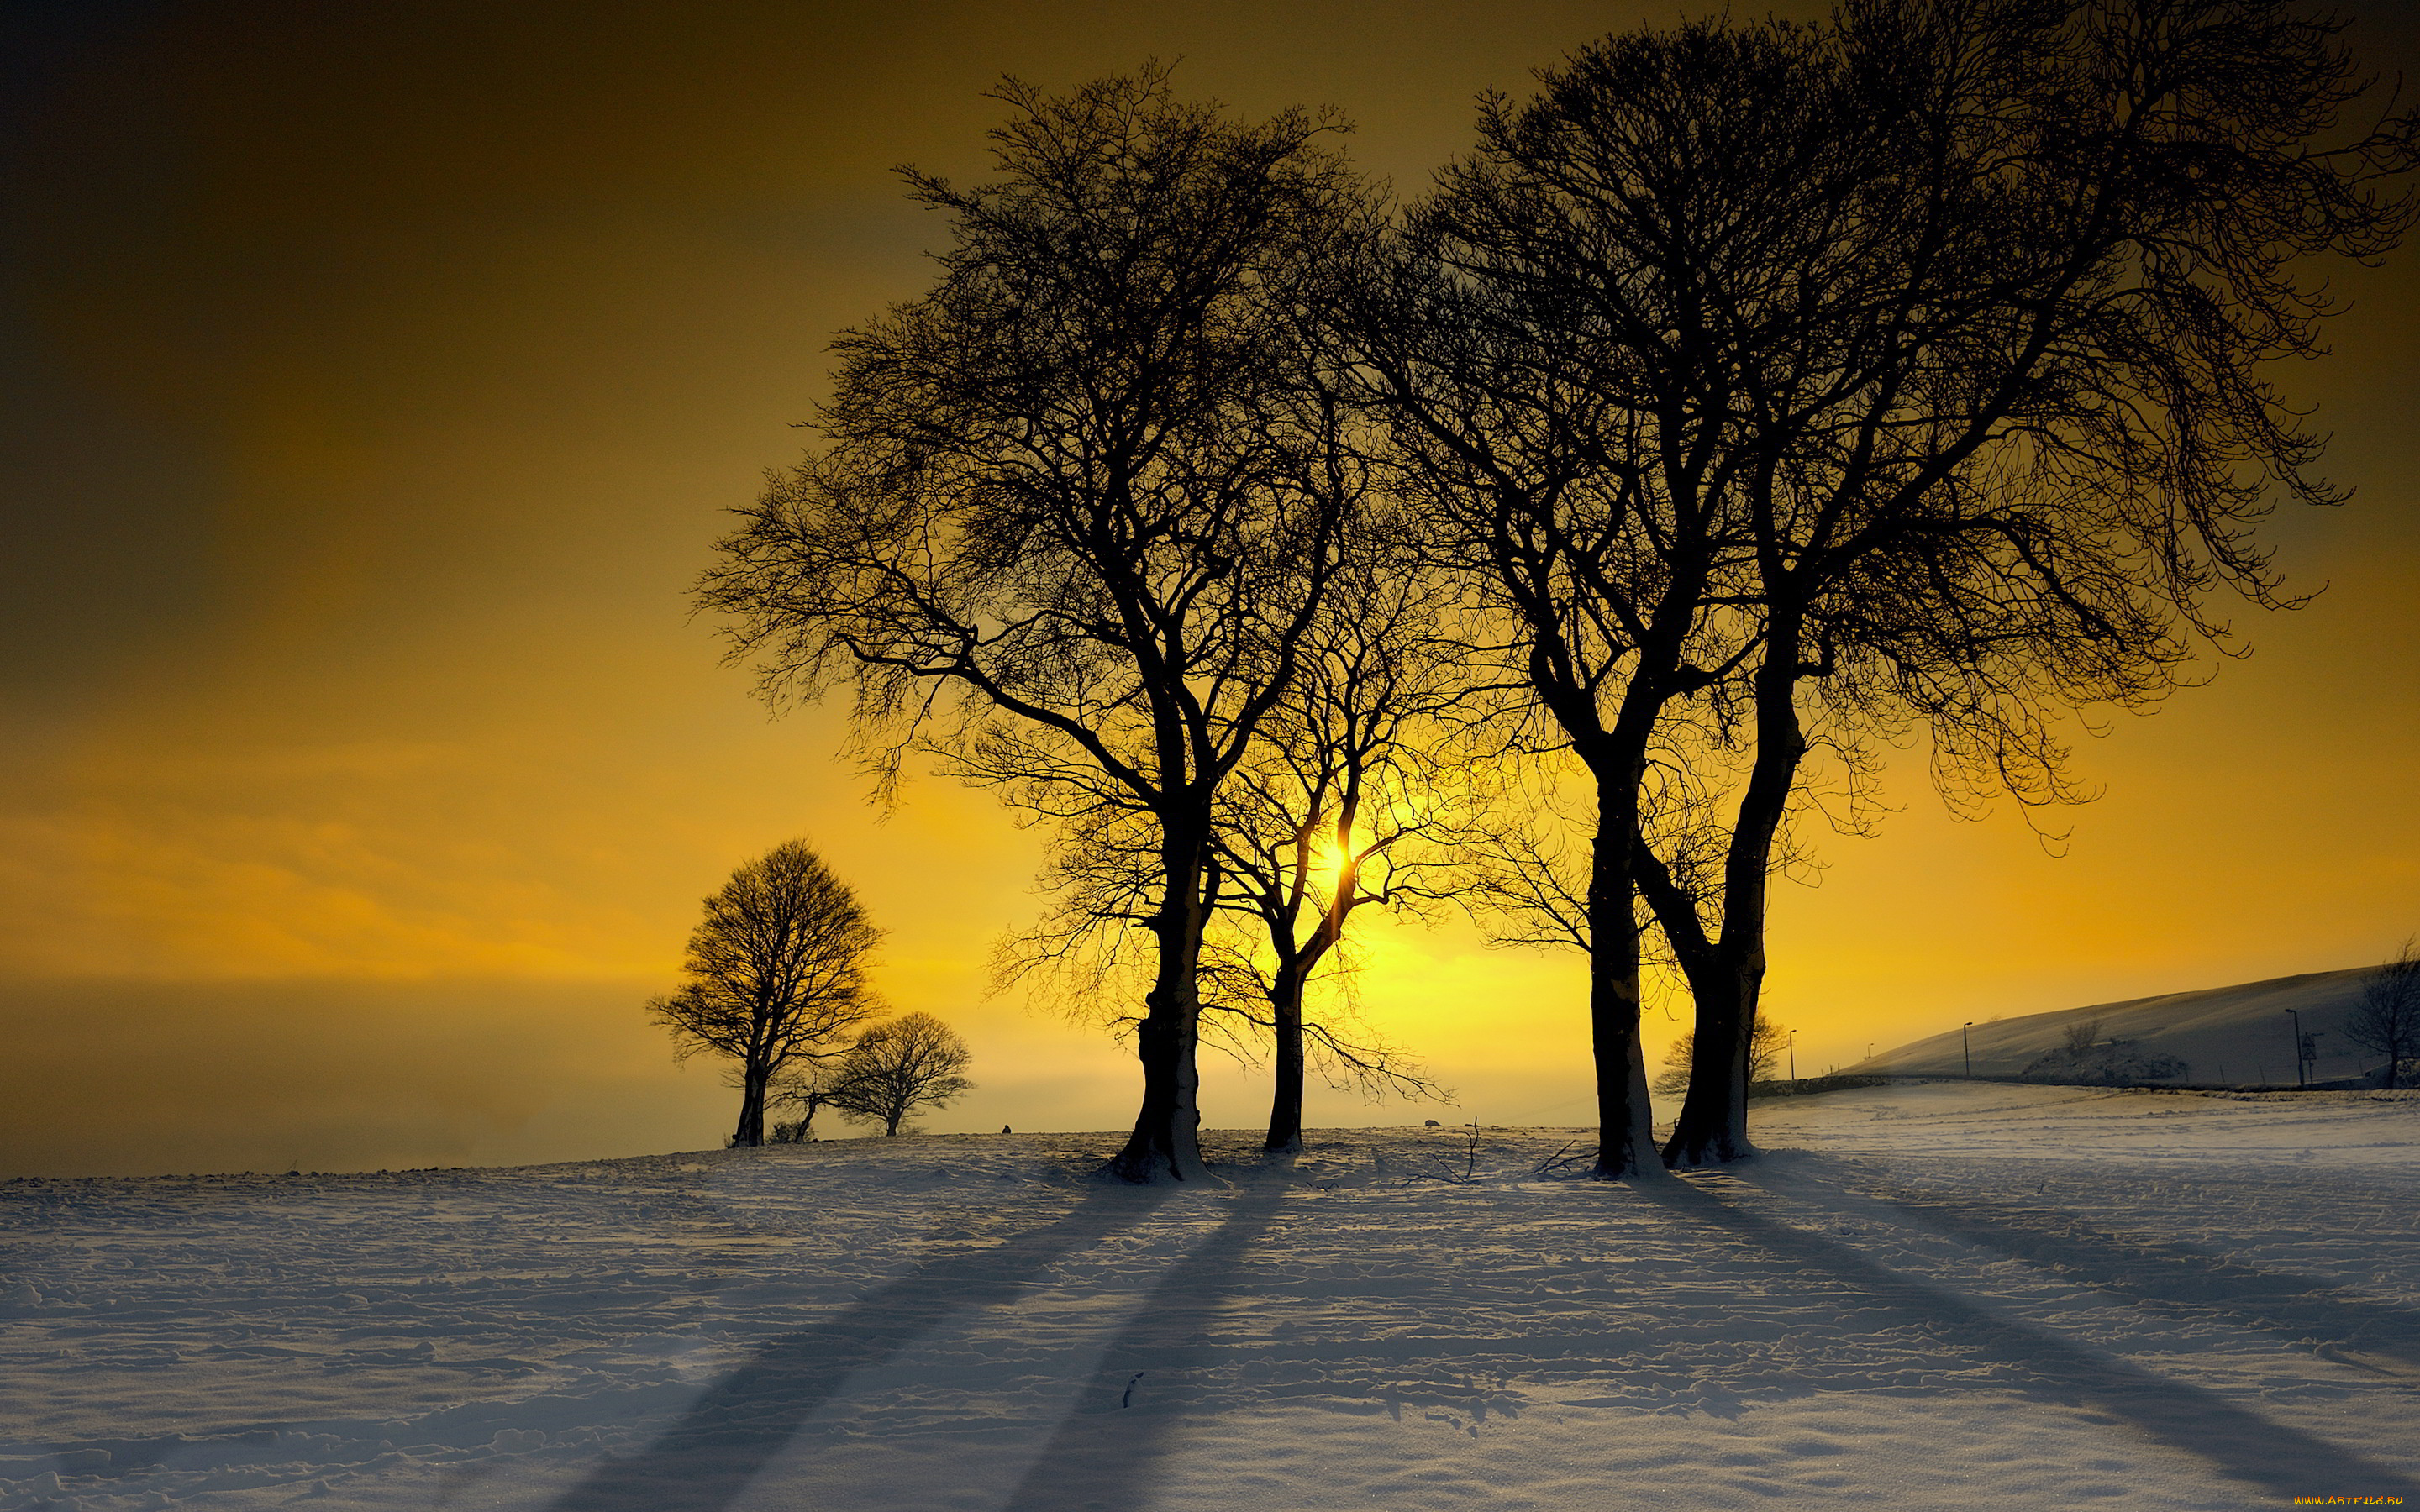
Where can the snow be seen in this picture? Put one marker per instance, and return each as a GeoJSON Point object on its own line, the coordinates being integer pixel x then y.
{"type": "Point", "coordinates": [1925, 1296]}
{"type": "Point", "coordinates": [2234, 1036]}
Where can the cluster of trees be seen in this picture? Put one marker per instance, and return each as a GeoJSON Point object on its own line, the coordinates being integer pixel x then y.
{"type": "Point", "coordinates": [1751, 398]}
{"type": "Point", "coordinates": [888, 1074]}
{"type": "Point", "coordinates": [774, 979]}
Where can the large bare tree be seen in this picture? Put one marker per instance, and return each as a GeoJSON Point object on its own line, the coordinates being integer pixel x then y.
{"type": "Point", "coordinates": [1908, 366]}
{"type": "Point", "coordinates": [1560, 391]}
{"type": "Point", "coordinates": [776, 974]}
{"type": "Point", "coordinates": [1076, 504]}
{"type": "Point", "coordinates": [2012, 424]}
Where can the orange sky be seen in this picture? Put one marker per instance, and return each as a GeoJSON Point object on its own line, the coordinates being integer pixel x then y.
{"type": "Point", "coordinates": [378, 376]}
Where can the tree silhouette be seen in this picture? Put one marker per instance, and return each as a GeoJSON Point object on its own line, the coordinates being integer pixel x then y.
{"type": "Point", "coordinates": [776, 973]}
{"type": "Point", "coordinates": [1350, 795]}
{"type": "Point", "coordinates": [1076, 503]}
{"type": "Point", "coordinates": [1353, 797]}
{"type": "Point", "coordinates": [2012, 430]}
{"type": "Point", "coordinates": [808, 1089]}
{"type": "Point", "coordinates": [1767, 1046]}
{"type": "Point", "coordinates": [1561, 409]}
{"type": "Point", "coordinates": [2387, 1020]}
{"type": "Point", "coordinates": [898, 1069]}
{"type": "Point", "coordinates": [1784, 385]}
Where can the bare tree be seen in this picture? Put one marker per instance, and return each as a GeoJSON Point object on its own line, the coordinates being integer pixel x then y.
{"type": "Point", "coordinates": [1353, 797]}
{"type": "Point", "coordinates": [1766, 1047]}
{"type": "Point", "coordinates": [1909, 364]}
{"type": "Point", "coordinates": [776, 974]}
{"type": "Point", "coordinates": [1084, 953]}
{"type": "Point", "coordinates": [1076, 505]}
{"type": "Point", "coordinates": [1559, 437]}
{"type": "Point", "coordinates": [806, 1090]}
{"type": "Point", "coordinates": [2386, 1021]}
{"type": "Point", "coordinates": [1938, 335]}
{"type": "Point", "coordinates": [898, 1069]}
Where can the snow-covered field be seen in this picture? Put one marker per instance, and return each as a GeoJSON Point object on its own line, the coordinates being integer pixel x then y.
{"type": "Point", "coordinates": [1934, 1296]}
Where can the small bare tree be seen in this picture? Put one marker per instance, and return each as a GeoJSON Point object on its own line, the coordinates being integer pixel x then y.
{"type": "Point", "coordinates": [897, 1070]}
{"type": "Point", "coordinates": [1766, 1047]}
{"type": "Point", "coordinates": [2387, 1019]}
{"type": "Point", "coordinates": [776, 972]}
{"type": "Point", "coordinates": [1354, 796]}
{"type": "Point", "coordinates": [806, 1090]}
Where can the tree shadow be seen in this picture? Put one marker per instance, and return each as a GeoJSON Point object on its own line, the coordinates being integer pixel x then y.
{"type": "Point", "coordinates": [1104, 1450]}
{"type": "Point", "coordinates": [704, 1462]}
{"type": "Point", "coordinates": [2177, 1279]}
{"type": "Point", "coordinates": [2276, 1457]}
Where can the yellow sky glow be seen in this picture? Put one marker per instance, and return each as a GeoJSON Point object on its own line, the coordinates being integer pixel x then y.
{"type": "Point", "coordinates": [393, 367]}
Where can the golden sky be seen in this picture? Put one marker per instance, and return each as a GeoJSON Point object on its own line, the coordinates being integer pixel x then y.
{"type": "Point", "coordinates": [376, 376]}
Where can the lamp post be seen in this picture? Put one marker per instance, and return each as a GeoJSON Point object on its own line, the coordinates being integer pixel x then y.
{"type": "Point", "coordinates": [2300, 1079]}
{"type": "Point", "coordinates": [1793, 1061]}
{"type": "Point", "coordinates": [1967, 1048]}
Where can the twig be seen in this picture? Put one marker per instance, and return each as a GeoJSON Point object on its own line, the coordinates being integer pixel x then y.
{"type": "Point", "coordinates": [1468, 1175]}
{"type": "Point", "coordinates": [1557, 1159]}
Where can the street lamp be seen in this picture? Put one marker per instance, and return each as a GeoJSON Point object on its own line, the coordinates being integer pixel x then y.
{"type": "Point", "coordinates": [1794, 1060]}
{"type": "Point", "coordinates": [1967, 1048]}
{"type": "Point", "coordinates": [2300, 1078]}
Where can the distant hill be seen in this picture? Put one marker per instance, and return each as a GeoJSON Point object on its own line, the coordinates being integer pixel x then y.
{"type": "Point", "coordinates": [2223, 1034]}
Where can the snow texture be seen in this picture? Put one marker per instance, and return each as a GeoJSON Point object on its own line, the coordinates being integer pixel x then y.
{"type": "Point", "coordinates": [1925, 1296]}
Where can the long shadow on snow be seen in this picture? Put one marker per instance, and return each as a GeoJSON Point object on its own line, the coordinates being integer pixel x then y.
{"type": "Point", "coordinates": [2244, 1444]}
{"type": "Point", "coordinates": [1101, 1454]}
{"type": "Point", "coordinates": [706, 1461]}
{"type": "Point", "coordinates": [2182, 1280]}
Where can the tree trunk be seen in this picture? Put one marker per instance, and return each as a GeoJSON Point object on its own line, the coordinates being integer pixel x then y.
{"type": "Point", "coordinates": [1166, 1142]}
{"type": "Point", "coordinates": [1712, 1126]}
{"type": "Point", "coordinates": [1624, 1117]}
{"type": "Point", "coordinates": [1285, 1104]}
{"type": "Point", "coordinates": [1296, 964]}
{"type": "Point", "coordinates": [753, 1078]}
{"type": "Point", "coordinates": [1712, 1129]}
{"type": "Point", "coordinates": [1617, 762]}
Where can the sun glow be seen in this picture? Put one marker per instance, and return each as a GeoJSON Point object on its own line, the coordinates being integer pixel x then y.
{"type": "Point", "coordinates": [1328, 862]}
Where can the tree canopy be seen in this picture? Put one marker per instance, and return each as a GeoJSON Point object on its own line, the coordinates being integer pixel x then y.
{"type": "Point", "coordinates": [775, 973]}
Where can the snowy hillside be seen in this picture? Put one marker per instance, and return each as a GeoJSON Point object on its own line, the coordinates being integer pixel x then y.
{"type": "Point", "coordinates": [2225, 1035]}
{"type": "Point", "coordinates": [1927, 1296]}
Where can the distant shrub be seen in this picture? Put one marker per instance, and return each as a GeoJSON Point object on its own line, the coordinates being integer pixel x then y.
{"type": "Point", "coordinates": [1811, 1086]}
